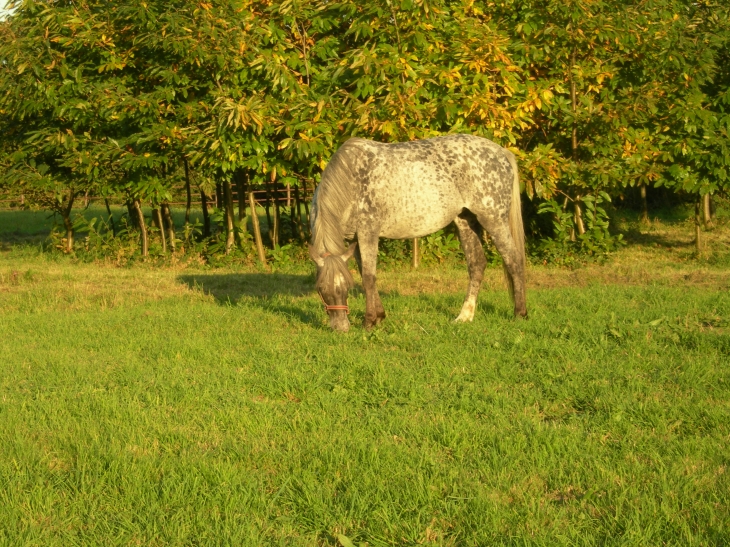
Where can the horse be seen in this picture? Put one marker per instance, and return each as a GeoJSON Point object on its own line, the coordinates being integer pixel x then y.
{"type": "Point", "coordinates": [407, 190]}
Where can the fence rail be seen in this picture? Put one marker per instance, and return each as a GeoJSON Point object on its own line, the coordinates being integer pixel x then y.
{"type": "Point", "coordinates": [280, 194]}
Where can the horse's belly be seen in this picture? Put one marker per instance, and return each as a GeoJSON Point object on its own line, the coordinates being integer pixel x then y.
{"type": "Point", "coordinates": [420, 216]}
{"type": "Point", "coordinates": [408, 227]}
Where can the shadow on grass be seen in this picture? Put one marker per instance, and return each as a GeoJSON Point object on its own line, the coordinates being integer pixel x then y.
{"type": "Point", "coordinates": [231, 287]}
{"type": "Point", "coordinates": [8, 242]}
{"type": "Point", "coordinates": [260, 289]}
{"type": "Point", "coordinates": [446, 305]}
{"type": "Point", "coordinates": [633, 235]}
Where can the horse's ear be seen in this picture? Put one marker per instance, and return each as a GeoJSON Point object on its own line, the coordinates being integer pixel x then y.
{"type": "Point", "coordinates": [318, 260]}
{"type": "Point", "coordinates": [349, 252]}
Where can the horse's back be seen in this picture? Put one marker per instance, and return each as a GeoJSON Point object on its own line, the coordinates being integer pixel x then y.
{"type": "Point", "coordinates": [457, 163]}
{"type": "Point", "coordinates": [416, 188]}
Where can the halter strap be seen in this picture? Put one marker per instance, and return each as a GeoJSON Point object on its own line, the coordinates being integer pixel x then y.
{"type": "Point", "coordinates": [327, 307]}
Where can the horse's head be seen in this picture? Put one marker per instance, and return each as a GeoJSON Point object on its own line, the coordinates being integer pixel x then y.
{"type": "Point", "coordinates": [333, 282]}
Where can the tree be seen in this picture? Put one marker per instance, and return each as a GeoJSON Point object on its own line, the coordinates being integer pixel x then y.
{"type": "Point", "coordinates": [51, 151]}
{"type": "Point", "coordinates": [124, 98]}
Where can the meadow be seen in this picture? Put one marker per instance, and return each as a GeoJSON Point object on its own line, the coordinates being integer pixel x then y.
{"type": "Point", "coordinates": [167, 405]}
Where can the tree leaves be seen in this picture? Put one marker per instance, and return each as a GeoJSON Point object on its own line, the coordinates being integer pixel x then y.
{"type": "Point", "coordinates": [109, 96]}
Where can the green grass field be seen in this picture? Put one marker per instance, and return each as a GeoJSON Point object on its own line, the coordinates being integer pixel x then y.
{"type": "Point", "coordinates": [165, 406]}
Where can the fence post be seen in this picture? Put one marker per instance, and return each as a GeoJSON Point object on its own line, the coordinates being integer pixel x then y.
{"type": "Point", "coordinates": [256, 228]}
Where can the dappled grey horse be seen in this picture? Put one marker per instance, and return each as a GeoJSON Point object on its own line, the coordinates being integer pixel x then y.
{"type": "Point", "coordinates": [407, 190]}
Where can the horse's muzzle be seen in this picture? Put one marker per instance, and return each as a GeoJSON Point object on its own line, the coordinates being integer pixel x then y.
{"type": "Point", "coordinates": [340, 322]}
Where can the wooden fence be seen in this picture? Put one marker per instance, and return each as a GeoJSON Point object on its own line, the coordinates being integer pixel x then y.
{"type": "Point", "coordinates": [277, 192]}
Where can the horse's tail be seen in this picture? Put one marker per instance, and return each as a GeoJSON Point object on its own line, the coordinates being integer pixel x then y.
{"type": "Point", "coordinates": [516, 227]}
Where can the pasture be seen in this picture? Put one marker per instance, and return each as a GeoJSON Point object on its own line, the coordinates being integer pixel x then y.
{"type": "Point", "coordinates": [194, 406]}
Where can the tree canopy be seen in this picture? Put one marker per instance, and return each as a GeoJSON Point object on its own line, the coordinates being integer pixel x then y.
{"type": "Point", "coordinates": [109, 97]}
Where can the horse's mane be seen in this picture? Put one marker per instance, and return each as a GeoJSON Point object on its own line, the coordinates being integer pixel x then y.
{"type": "Point", "coordinates": [333, 201]}
{"type": "Point", "coordinates": [333, 264]}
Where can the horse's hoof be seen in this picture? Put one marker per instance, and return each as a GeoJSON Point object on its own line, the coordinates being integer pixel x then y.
{"type": "Point", "coordinates": [461, 319]}
{"type": "Point", "coordinates": [466, 315]}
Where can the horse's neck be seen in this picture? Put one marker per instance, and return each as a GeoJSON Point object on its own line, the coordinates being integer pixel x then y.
{"type": "Point", "coordinates": [328, 232]}
{"type": "Point", "coordinates": [335, 199]}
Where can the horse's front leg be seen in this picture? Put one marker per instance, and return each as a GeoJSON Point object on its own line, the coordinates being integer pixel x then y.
{"type": "Point", "coordinates": [368, 249]}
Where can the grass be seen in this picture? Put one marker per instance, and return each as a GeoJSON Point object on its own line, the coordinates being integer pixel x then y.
{"type": "Point", "coordinates": [184, 406]}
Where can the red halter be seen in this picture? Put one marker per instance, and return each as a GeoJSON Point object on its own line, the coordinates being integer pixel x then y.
{"type": "Point", "coordinates": [327, 307]}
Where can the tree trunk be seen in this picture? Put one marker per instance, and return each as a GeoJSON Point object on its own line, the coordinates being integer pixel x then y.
{"type": "Point", "coordinates": [241, 188]}
{"type": "Point", "coordinates": [69, 234]}
{"type": "Point", "coordinates": [218, 195]}
{"type": "Point", "coordinates": [277, 215]}
{"type": "Point", "coordinates": [169, 224]}
{"type": "Point", "coordinates": [290, 204]}
{"type": "Point", "coordinates": [267, 207]}
{"type": "Point", "coordinates": [578, 216]}
{"type": "Point", "coordinates": [306, 203]}
{"type": "Point", "coordinates": [416, 258]}
{"type": "Point", "coordinates": [707, 210]}
{"type": "Point", "coordinates": [132, 213]}
{"type": "Point", "coordinates": [206, 216]}
{"type": "Point", "coordinates": [228, 204]}
{"type": "Point", "coordinates": [644, 207]}
{"type": "Point", "coordinates": [157, 219]}
{"type": "Point", "coordinates": [187, 191]}
{"type": "Point", "coordinates": [111, 217]}
{"type": "Point", "coordinates": [142, 227]}
{"type": "Point", "coordinates": [577, 213]}
{"type": "Point", "coordinates": [698, 231]}
{"type": "Point", "coordinates": [66, 214]}
{"type": "Point", "coordinates": [300, 226]}
{"type": "Point", "coordinates": [256, 228]}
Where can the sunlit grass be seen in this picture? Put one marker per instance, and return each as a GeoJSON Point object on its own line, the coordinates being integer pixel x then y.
{"type": "Point", "coordinates": [162, 405]}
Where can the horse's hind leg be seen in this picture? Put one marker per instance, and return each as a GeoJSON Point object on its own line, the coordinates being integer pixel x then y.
{"type": "Point", "coordinates": [469, 230]}
{"type": "Point", "coordinates": [358, 259]}
{"type": "Point", "coordinates": [498, 229]}
{"type": "Point", "coordinates": [368, 249]}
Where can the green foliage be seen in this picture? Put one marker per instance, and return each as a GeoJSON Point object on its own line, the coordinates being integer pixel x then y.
{"type": "Point", "coordinates": [281, 256]}
{"type": "Point", "coordinates": [393, 252]}
{"type": "Point", "coordinates": [111, 98]}
{"type": "Point", "coordinates": [565, 246]}
{"type": "Point", "coordinates": [440, 246]}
